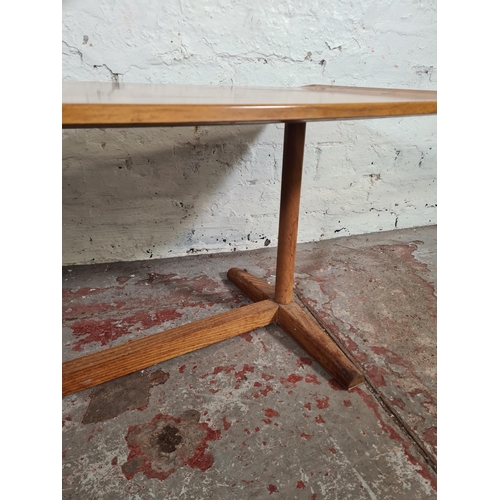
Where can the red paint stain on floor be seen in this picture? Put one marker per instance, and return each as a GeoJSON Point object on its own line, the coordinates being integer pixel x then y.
{"type": "Point", "coordinates": [247, 336]}
{"type": "Point", "coordinates": [182, 368]}
{"type": "Point", "coordinates": [430, 436]}
{"type": "Point", "coordinates": [397, 402]}
{"type": "Point", "coordinates": [311, 379]}
{"type": "Point", "coordinates": [291, 381]}
{"type": "Point", "coordinates": [107, 330]}
{"type": "Point", "coordinates": [304, 361]}
{"type": "Point", "coordinates": [308, 406]}
{"type": "Point", "coordinates": [390, 356]}
{"type": "Point", "coordinates": [319, 419]}
{"type": "Point", "coordinates": [306, 436]}
{"type": "Point", "coordinates": [376, 375]}
{"type": "Point", "coordinates": [352, 347]}
{"type": "Point", "coordinates": [415, 392]}
{"type": "Point", "coordinates": [271, 413]}
{"type": "Point", "coordinates": [272, 489]}
{"type": "Point", "coordinates": [200, 459]}
{"type": "Point", "coordinates": [266, 391]}
{"type": "Point", "coordinates": [347, 403]}
{"type": "Point", "coordinates": [321, 403]}
{"type": "Point", "coordinates": [105, 314]}
{"type": "Point", "coordinates": [267, 377]}
{"type": "Point", "coordinates": [223, 369]}
{"type": "Point", "coordinates": [225, 423]}
{"type": "Point", "coordinates": [300, 485]}
{"type": "Point", "coordinates": [241, 375]}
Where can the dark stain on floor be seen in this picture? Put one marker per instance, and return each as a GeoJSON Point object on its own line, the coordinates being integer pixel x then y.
{"type": "Point", "coordinates": [167, 443]}
{"type": "Point", "coordinates": [131, 392]}
{"type": "Point", "coordinates": [168, 439]}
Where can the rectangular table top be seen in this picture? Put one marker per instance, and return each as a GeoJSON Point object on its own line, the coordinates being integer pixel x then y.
{"type": "Point", "coordinates": [99, 104]}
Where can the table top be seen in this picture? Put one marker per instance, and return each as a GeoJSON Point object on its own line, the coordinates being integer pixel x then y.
{"type": "Point", "coordinates": [99, 104]}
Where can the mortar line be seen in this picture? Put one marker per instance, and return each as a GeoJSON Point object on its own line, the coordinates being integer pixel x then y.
{"type": "Point", "coordinates": [428, 458]}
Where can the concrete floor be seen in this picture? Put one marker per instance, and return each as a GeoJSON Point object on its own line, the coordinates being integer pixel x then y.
{"type": "Point", "coordinates": [255, 416]}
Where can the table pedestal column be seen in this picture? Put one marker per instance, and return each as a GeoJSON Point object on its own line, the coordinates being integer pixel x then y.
{"type": "Point", "coordinates": [291, 317]}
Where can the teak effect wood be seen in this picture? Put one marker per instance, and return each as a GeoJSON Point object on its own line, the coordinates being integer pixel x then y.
{"type": "Point", "coordinates": [115, 362]}
{"type": "Point", "coordinates": [291, 180]}
{"type": "Point", "coordinates": [88, 104]}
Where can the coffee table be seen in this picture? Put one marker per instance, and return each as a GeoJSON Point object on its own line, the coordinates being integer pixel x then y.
{"type": "Point", "coordinates": [106, 105]}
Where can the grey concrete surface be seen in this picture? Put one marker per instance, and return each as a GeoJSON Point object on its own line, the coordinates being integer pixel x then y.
{"type": "Point", "coordinates": [255, 416]}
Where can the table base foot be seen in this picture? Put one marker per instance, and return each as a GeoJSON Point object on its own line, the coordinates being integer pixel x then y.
{"type": "Point", "coordinates": [303, 329]}
{"type": "Point", "coordinates": [94, 369]}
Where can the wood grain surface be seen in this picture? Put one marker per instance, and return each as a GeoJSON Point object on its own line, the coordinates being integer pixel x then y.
{"type": "Point", "coordinates": [313, 339]}
{"type": "Point", "coordinates": [254, 288]}
{"type": "Point", "coordinates": [94, 369]}
{"type": "Point", "coordinates": [98, 104]}
{"type": "Point", "coordinates": [291, 179]}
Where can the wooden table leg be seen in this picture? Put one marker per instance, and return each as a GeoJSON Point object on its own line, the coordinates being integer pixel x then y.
{"type": "Point", "coordinates": [291, 180]}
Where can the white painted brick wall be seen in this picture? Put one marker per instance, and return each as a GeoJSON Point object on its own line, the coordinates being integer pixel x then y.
{"type": "Point", "coordinates": [133, 194]}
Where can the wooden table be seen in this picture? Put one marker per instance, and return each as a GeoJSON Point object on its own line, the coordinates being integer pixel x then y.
{"type": "Point", "coordinates": [100, 105]}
